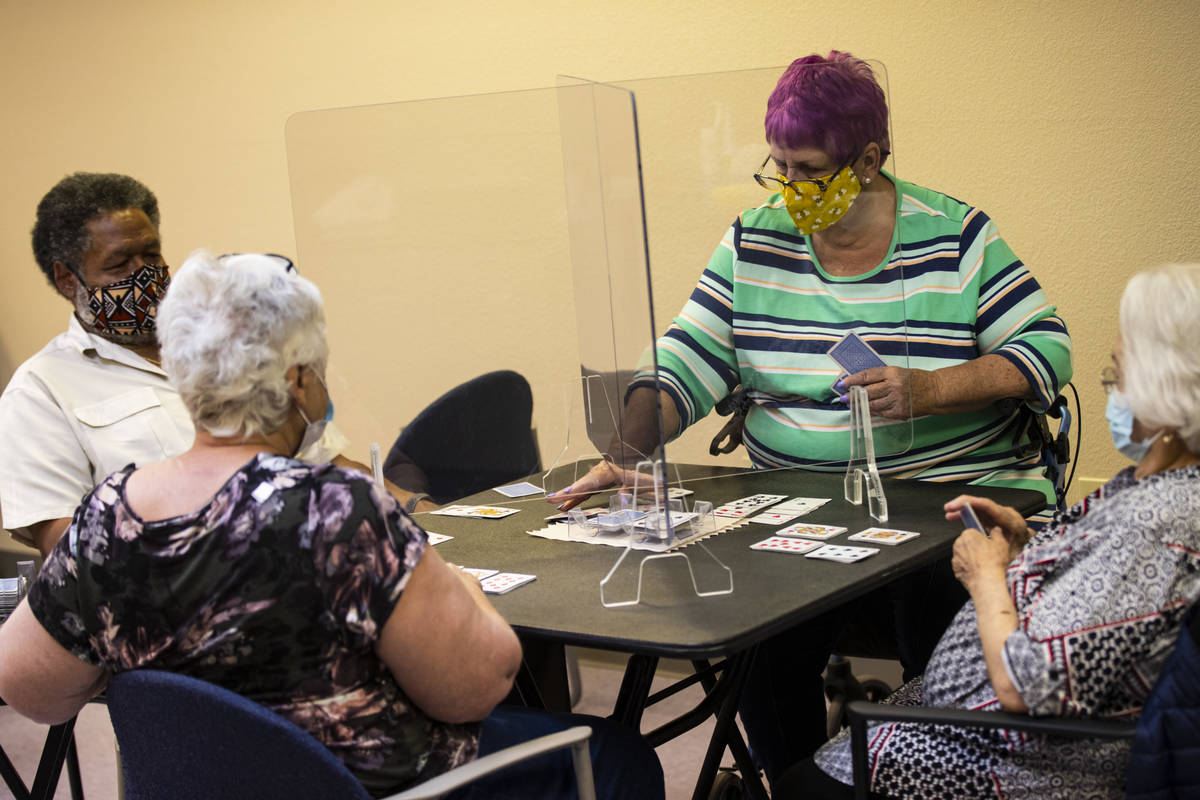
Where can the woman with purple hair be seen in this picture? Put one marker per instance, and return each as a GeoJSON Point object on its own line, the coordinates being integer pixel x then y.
{"type": "Point", "coordinates": [971, 345]}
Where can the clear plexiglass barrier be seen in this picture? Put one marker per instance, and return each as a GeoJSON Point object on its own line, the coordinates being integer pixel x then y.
{"type": "Point", "coordinates": [559, 232]}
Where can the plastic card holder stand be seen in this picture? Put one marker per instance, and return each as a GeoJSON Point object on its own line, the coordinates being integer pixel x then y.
{"type": "Point", "coordinates": [861, 464]}
{"type": "Point", "coordinates": [663, 523]}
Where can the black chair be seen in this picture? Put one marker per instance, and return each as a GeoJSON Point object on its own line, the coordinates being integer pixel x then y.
{"type": "Point", "coordinates": [1153, 771]}
{"type": "Point", "coordinates": [476, 436]}
{"type": "Point", "coordinates": [186, 739]}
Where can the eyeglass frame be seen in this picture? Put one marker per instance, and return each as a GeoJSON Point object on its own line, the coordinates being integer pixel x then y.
{"type": "Point", "coordinates": [821, 183]}
{"type": "Point", "coordinates": [288, 266]}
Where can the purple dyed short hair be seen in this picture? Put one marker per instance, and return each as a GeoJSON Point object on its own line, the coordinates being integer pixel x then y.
{"type": "Point", "coordinates": [831, 103]}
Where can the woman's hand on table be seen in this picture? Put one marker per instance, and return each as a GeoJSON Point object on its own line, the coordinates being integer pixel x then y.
{"type": "Point", "coordinates": [604, 475]}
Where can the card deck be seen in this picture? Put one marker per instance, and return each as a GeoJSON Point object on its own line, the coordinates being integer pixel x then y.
{"type": "Point", "coordinates": [888, 536]}
{"type": "Point", "coordinates": [811, 531]}
{"type": "Point", "coordinates": [437, 538]}
{"type": "Point", "coordinates": [842, 553]}
{"type": "Point", "coordinates": [479, 572]}
{"type": "Point", "coordinates": [785, 544]}
{"type": "Point", "coordinates": [619, 519]}
{"type": "Point", "coordinates": [505, 582]}
{"type": "Point", "coordinates": [746, 506]}
{"type": "Point", "coordinates": [854, 355]}
{"type": "Point", "coordinates": [969, 520]}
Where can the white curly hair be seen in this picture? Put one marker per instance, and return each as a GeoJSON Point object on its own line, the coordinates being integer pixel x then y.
{"type": "Point", "coordinates": [1161, 338]}
{"type": "Point", "coordinates": [228, 330]}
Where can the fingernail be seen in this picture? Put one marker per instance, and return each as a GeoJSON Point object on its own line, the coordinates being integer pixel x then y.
{"type": "Point", "coordinates": [843, 398]}
{"type": "Point", "coordinates": [840, 385]}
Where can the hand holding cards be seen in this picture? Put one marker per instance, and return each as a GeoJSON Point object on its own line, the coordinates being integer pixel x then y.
{"type": "Point", "coordinates": [854, 355]}
{"type": "Point", "coordinates": [969, 520]}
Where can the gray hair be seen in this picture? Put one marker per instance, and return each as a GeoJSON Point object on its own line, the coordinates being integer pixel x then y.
{"type": "Point", "coordinates": [229, 329]}
{"type": "Point", "coordinates": [1161, 338]}
{"type": "Point", "coordinates": [60, 232]}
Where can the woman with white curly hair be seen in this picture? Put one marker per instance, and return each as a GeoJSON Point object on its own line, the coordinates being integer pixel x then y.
{"type": "Point", "coordinates": [1076, 620]}
{"type": "Point", "coordinates": [305, 588]}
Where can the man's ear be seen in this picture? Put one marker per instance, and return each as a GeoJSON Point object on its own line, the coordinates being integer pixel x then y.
{"type": "Point", "coordinates": [65, 281]}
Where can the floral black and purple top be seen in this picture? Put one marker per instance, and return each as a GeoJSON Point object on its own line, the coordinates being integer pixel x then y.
{"type": "Point", "coordinates": [276, 589]}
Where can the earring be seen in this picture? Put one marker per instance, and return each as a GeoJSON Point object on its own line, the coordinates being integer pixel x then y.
{"type": "Point", "coordinates": [867, 180]}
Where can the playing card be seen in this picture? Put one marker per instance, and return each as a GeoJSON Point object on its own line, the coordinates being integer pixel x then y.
{"type": "Point", "coordinates": [811, 531]}
{"type": "Point", "coordinates": [748, 505]}
{"type": "Point", "coordinates": [675, 493]}
{"type": "Point", "coordinates": [969, 520]}
{"type": "Point", "coordinates": [587, 512]}
{"type": "Point", "coordinates": [854, 355]}
{"type": "Point", "coordinates": [800, 505]}
{"type": "Point", "coordinates": [453, 511]}
{"type": "Point", "coordinates": [773, 518]}
{"type": "Point", "coordinates": [783, 544]}
{"type": "Point", "coordinates": [888, 536]}
{"type": "Point", "coordinates": [490, 512]}
{"type": "Point", "coordinates": [519, 489]}
{"type": "Point", "coordinates": [505, 582]}
{"type": "Point", "coordinates": [842, 553]}
{"type": "Point", "coordinates": [479, 573]}
{"type": "Point", "coordinates": [437, 538]}
{"type": "Point", "coordinates": [618, 519]}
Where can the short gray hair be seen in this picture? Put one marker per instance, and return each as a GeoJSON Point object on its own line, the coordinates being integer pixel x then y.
{"type": "Point", "coordinates": [229, 329]}
{"type": "Point", "coordinates": [1161, 338]}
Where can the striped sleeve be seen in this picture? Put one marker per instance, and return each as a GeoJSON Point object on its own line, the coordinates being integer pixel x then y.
{"type": "Point", "coordinates": [696, 359]}
{"type": "Point", "coordinates": [1014, 319]}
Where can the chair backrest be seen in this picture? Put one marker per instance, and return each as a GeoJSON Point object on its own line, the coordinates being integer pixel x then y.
{"type": "Point", "coordinates": [185, 738]}
{"type": "Point", "coordinates": [1163, 759]}
{"type": "Point", "coordinates": [476, 436]}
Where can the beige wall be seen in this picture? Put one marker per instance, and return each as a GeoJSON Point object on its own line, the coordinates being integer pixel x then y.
{"type": "Point", "coordinates": [1072, 124]}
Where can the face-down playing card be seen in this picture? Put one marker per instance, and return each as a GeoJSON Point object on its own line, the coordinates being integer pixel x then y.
{"type": "Point", "coordinates": [854, 355]}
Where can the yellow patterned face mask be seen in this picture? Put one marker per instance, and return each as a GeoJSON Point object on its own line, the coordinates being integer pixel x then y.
{"type": "Point", "coordinates": [816, 204]}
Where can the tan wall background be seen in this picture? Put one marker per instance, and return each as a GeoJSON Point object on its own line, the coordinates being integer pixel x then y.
{"type": "Point", "coordinates": [1072, 124]}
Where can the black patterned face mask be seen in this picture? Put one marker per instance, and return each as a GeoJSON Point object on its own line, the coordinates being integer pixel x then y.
{"type": "Point", "coordinates": [128, 307]}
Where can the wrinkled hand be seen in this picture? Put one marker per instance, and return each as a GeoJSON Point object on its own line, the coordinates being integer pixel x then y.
{"type": "Point", "coordinates": [894, 392]}
{"type": "Point", "coordinates": [602, 476]}
{"type": "Point", "coordinates": [979, 559]}
{"type": "Point", "coordinates": [1003, 520]}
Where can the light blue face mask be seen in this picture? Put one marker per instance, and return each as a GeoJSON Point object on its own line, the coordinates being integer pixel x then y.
{"type": "Point", "coordinates": [314, 430]}
{"type": "Point", "coordinates": [1120, 426]}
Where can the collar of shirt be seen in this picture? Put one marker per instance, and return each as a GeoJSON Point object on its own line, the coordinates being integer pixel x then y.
{"type": "Point", "coordinates": [93, 346]}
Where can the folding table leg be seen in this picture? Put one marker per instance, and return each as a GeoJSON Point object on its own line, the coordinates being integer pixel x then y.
{"type": "Point", "coordinates": [73, 776]}
{"type": "Point", "coordinates": [11, 779]}
{"type": "Point", "coordinates": [635, 688]}
{"type": "Point", "coordinates": [736, 669]}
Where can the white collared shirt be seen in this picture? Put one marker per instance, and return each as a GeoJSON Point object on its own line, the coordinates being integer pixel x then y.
{"type": "Point", "coordinates": [77, 411]}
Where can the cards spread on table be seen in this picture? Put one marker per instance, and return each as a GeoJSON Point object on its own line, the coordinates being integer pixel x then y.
{"type": "Point", "coordinates": [437, 538]}
{"type": "Point", "coordinates": [483, 512]}
{"type": "Point", "coordinates": [854, 355]}
{"type": "Point", "coordinates": [505, 582]}
{"type": "Point", "coordinates": [773, 517]}
{"type": "Point", "coordinates": [811, 531]}
{"type": "Point", "coordinates": [789, 510]}
{"type": "Point", "coordinates": [478, 572]}
{"type": "Point", "coordinates": [843, 553]}
{"type": "Point", "coordinates": [888, 536]}
{"type": "Point", "coordinates": [786, 544]}
{"type": "Point", "coordinates": [748, 505]}
{"type": "Point", "coordinates": [617, 520]}
{"type": "Point", "coordinates": [519, 489]}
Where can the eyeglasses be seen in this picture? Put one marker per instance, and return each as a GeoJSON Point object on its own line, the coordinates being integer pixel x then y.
{"type": "Point", "coordinates": [1109, 380]}
{"type": "Point", "coordinates": [778, 184]}
{"type": "Point", "coordinates": [283, 261]}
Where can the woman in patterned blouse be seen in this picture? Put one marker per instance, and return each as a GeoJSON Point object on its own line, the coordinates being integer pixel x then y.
{"type": "Point", "coordinates": [306, 589]}
{"type": "Point", "coordinates": [1076, 620]}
